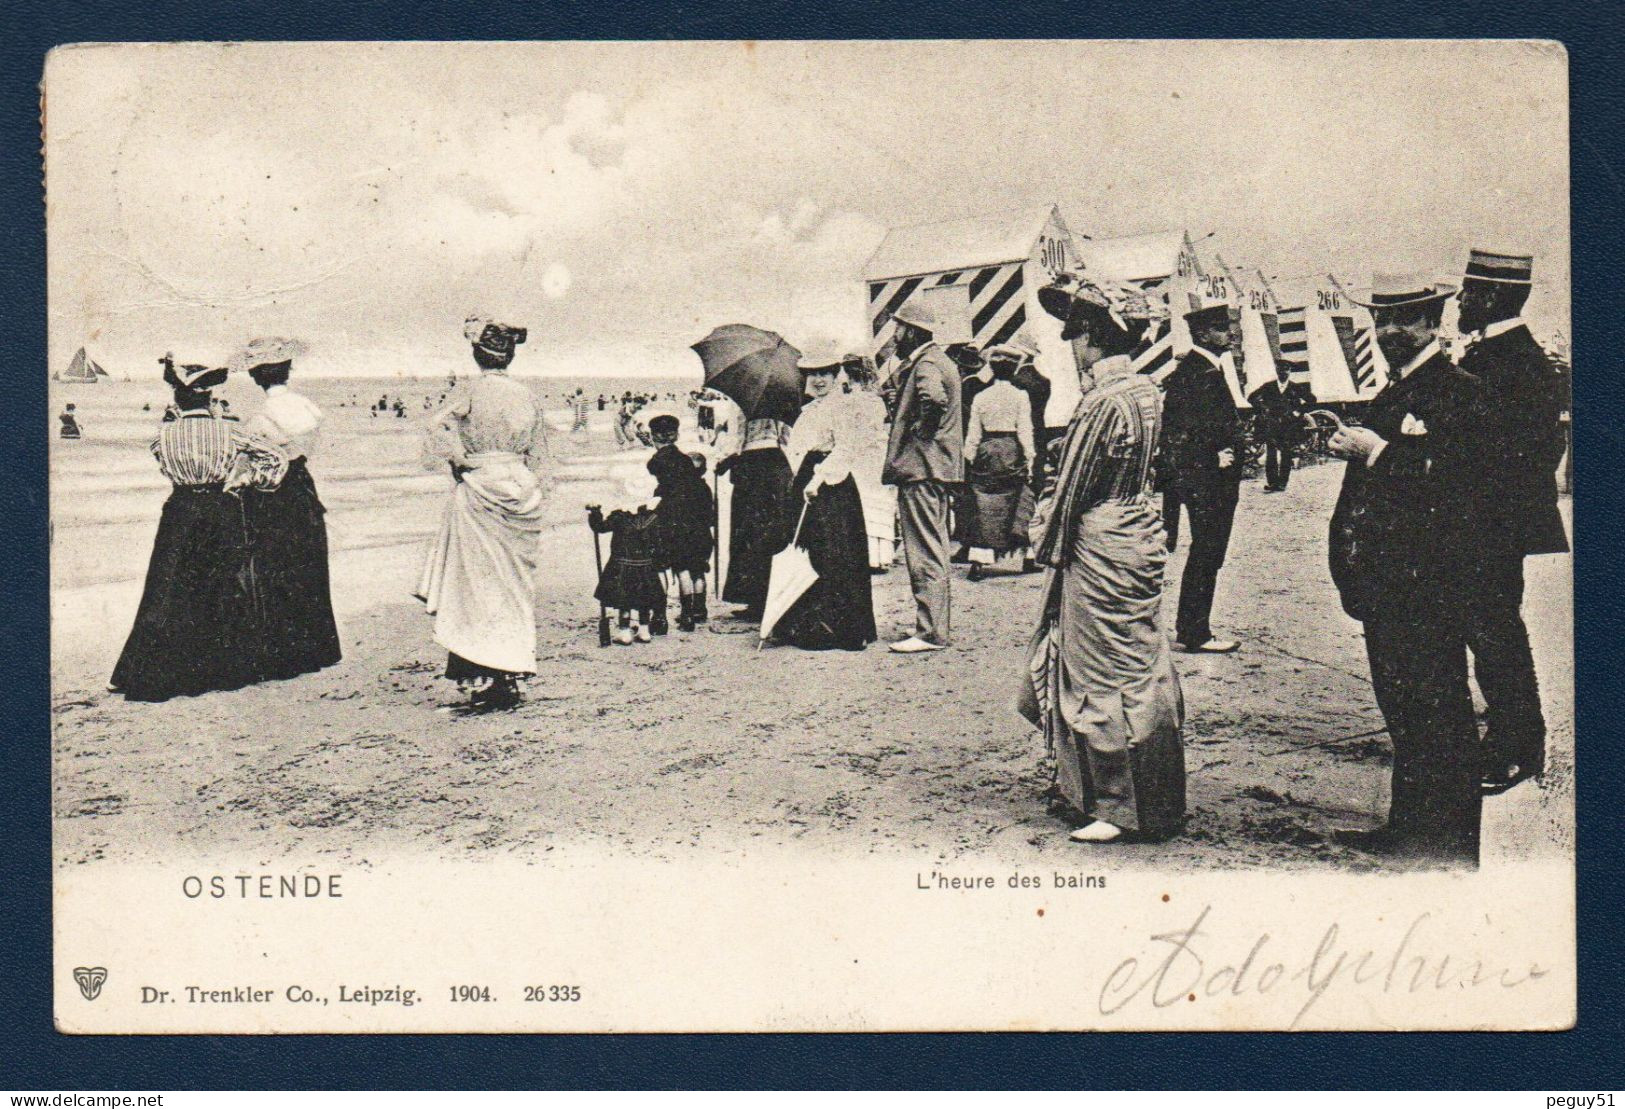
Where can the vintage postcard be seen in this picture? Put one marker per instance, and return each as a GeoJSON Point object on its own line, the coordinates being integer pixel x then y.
{"type": "Point", "coordinates": [822, 536]}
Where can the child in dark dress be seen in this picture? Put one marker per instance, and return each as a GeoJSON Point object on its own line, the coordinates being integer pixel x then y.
{"type": "Point", "coordinates": [630, 583]}
{"type": "Point", "coordinates": [687, 512]}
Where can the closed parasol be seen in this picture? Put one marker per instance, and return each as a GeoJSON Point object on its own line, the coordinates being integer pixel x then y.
{"type": "Point", "coordinates": [756, 368]}
{"type": "Point", "coordinates": [791, 575]}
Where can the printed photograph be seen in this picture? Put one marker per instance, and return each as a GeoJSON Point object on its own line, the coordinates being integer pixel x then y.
{"type": "Point", "coordinates": [1109, 466]}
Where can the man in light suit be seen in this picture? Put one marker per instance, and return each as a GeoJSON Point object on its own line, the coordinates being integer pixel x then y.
{"type": "Point", "coordinates": [924, 460]}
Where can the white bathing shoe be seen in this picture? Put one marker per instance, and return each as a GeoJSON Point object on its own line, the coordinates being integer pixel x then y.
{"type": "Point", "coordinates": [914, 645]}
{"type": "Point", "coordinates": [1098, 831]}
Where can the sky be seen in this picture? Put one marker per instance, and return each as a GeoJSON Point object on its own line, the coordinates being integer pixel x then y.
{"type": "Point", "coordinates": [621, 200]}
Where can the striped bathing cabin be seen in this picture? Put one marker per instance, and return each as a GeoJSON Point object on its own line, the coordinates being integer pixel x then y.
{"type": "Point", "coordinates": [983, 273]}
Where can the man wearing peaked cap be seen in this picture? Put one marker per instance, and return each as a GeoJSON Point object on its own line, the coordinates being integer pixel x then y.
{"type": "Point", "coordinates": [663, 429]}
{"type": "Point", "coordinates": [1527, 396]}
{"type": "Point", "coordinates": [924, 459]}
{"type": "Point", "coordinates": [1281, 403]}
{"type": "Point", "coordinates": [1201, 460]}
{"type": "Point", "coordinates": [1405, 550]}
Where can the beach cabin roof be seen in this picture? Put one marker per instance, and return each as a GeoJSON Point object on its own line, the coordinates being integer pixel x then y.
{"type": "Point", "coordinates": [962, 243]}
{"type": "Point", "coordinates": [1148, 257]}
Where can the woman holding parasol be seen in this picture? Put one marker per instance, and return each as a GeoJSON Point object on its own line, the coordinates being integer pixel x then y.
{"type": "Point", "coordinates": [758, 370]}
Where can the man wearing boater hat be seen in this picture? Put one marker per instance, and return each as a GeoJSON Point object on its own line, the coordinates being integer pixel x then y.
{"type": "Point", "coordinates": [1201, 456]}
{"type": "Point", "coordinates": [1526, 396]}
{"type": "Point", "coordinates": [924, 459]}
{"type": "Point", "coordinates": [1405, 555]}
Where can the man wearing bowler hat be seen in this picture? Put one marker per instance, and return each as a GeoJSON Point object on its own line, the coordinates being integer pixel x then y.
{"type": "Point", "coordinates": [925, 459]}
{"type": "Point", "coordinates": [1527, 398]}
{"type": "Point", "coordinates": [1201, 456]}
{"type": "Point", "coordinates": [1404, 551]}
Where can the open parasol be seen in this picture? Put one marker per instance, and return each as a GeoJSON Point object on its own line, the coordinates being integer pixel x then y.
{"type": "Point", "coordinates": [757, 369]}
{"type": "Point", "coordinates": [790, 576]}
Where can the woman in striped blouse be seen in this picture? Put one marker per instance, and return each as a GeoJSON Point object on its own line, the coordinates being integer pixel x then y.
{"type": "Point", "coordinates": [1100, 680]}
{"type": "Point", "coordinates": [198, 626]}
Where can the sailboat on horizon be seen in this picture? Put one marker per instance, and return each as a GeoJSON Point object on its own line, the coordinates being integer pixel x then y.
{"type": "Point", "coordinates": [83, 370]}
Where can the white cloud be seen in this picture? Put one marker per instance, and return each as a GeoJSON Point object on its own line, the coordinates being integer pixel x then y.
{"type": "Point", "coordinates": [623, 198]}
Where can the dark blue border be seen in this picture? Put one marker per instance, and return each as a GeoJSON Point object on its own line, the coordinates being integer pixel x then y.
{"type": "Point", "coordinates": [33, 1056]}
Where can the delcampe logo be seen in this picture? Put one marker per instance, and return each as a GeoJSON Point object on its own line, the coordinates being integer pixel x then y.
{"type": "Point", "coordinates": [90, 980]}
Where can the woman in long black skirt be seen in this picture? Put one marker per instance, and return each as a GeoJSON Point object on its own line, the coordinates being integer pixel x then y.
{"type": "Point", "coordinates": [289, 526]}
{"type": "Point", "coordinates": [198, 628]}
{"type": "Point", "coordinates": [761, 513]}
{"type": "Point", "coordinates": [837, 611]}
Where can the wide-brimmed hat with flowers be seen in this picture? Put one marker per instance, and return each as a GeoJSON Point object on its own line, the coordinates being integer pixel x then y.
{"type": "Point", "coordinates": [1073, 297]}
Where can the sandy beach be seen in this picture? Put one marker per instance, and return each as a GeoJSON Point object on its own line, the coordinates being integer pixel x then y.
{"type": "Point", "coordinates": [702, 741]}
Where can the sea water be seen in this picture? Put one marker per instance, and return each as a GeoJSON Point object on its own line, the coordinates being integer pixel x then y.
{"type": "Point", "coordinates": [106, 490]}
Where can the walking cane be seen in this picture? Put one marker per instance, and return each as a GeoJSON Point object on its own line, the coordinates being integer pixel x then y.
{"type": "Point", "coordinates": [716, 533]}
{"type": "Point", "coordinates": [603, 613]}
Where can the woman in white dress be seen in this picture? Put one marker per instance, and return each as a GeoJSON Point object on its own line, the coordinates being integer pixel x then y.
{"type": "Point", "coordinates": [288, 524]}
{"type": "Point", "coordinates": [837, 611]}
{"type": "Point", "coordinates": [479, 581]}
{"type": "Point", "coordinates": [866, 419]}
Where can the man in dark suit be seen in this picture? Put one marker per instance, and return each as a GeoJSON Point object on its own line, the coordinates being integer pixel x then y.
{"type": "Point", "coordinates": [1280, 406]}
{"type": "Point", "coordinates": [1527, 399]}
{"type": "Point", "coordinates": [1201, 457]}
{"type": "Point", "coordinates": [1405, 541]}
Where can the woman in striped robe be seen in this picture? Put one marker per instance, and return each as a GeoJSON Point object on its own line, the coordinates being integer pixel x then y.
{"type": "Point", "coordinates": [1100, 680]}
{"type": "Point", "coordinates": [199, 627]}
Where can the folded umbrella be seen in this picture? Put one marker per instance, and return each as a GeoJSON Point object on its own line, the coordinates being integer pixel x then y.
{"type": "Point", "coordinates": [757, 369]}
{"type": "Point", "coordinates": [790, 575]}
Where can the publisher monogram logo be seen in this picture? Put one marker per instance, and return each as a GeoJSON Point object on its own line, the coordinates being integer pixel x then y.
{"type": "Point", "coordinates": [90, 980]}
